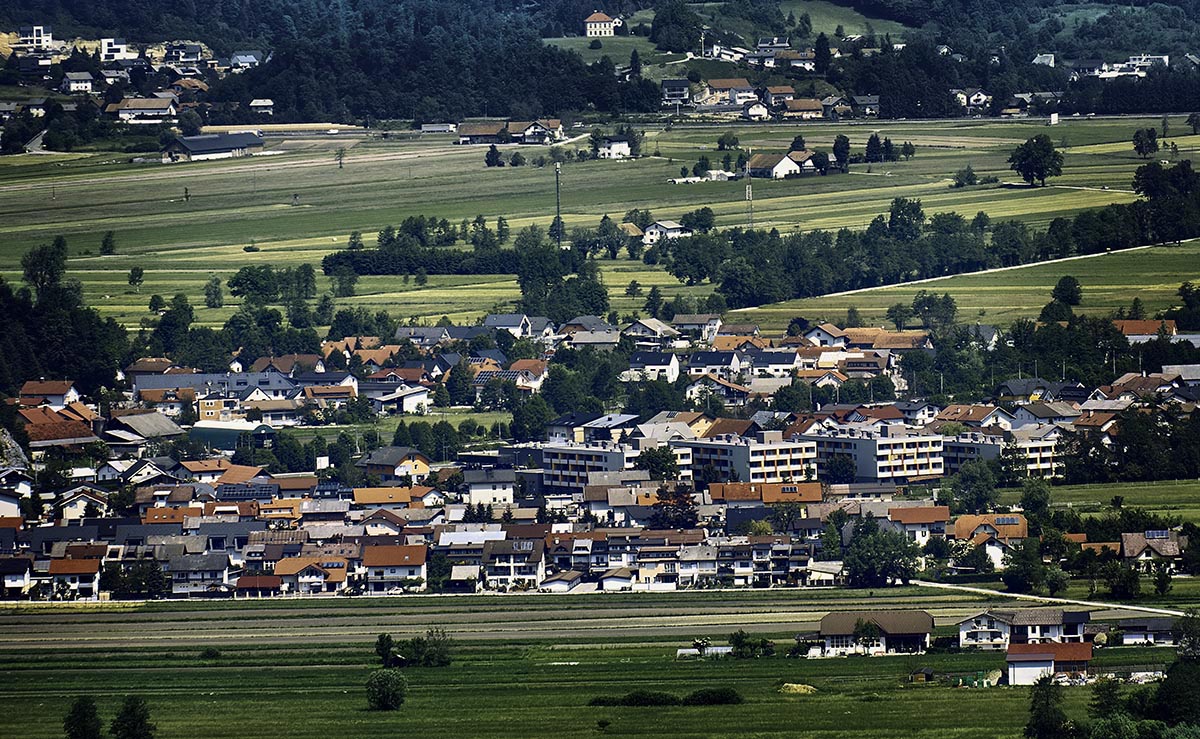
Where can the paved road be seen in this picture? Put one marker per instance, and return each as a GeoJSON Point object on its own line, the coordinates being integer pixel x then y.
{"type": "Point", "coordinates": [1093, 604]}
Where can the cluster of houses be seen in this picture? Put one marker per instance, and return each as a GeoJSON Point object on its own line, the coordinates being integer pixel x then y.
{"type": "Point", "coordinates": [189, 65]}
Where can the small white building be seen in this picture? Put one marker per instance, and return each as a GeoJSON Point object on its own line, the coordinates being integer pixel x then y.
{"type": "Point", "coordinates": [599, 25]}
{"type": "Point", "coordinates": [490, 487]}
{"type": "Point", "coordinates": [115, 49]}
{"type": "Point", "coordinates": [614, 147]}
{"type": "Point", "coordinates": [1028, 663]}
{"type": "Point", "coordinates": [659, 230]}
{"type": "Point", "coordinates": [75, 83]}
{"type": "Point", "coordinates": [262, 106]}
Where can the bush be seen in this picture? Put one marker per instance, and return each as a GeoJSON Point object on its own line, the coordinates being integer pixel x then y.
{"type": "Point", "coordinates": [386, 690]}
{"type": "Point", "coordinates": [210, 653]}
{"type": "Point", "coordinates": [713, 697]}
{"type": "Point", "coordinates": [638, 698]}
{"type": "Point", "coordinates": [595, 44]}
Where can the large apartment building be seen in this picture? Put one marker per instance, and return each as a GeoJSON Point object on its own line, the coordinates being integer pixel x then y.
{"type": "Point", "coordinates": [767, 457]}
{"type": "Point", "coordinates": [888, 453]}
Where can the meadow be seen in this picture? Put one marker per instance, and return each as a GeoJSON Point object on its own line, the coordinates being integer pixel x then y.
{"type": "Point", "coordinates": [523, 666]}
{"type": "Point", "coordinates": [298, 205]}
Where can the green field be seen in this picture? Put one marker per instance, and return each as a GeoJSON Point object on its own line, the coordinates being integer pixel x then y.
{"type": "Point", "coordinates": [236, 203]}
{"type": "Point", "coordinates": [524, 666]}
{"type": "Point", "coordinates": [827, 16]}
{"type": "Point", "coordinates": [1109, 281]}
{"type": "Point", "coordinates": [1171, 497]}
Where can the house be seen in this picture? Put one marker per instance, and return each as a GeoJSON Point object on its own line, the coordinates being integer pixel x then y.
{"type": "Point", "coordinates": [514, 564]}
{"type": "Point", "coordinates": [614, 147]}
{"type": "Point", "coordinates": [395, 568]}
{"type": "Point", "coordinates": [240, 61]}
{"type": "Point", "coordinates": [562, 582]}
{"type": "Point", "coordinates": [865, 106]}
{"type": "Point", "coordinates": [653, 366]}
{"type": "Point", "coordinates": [650, 333]}
{"type": "Point", "coordinates": [731, 393]}
{"type": "Point", "coordinates": [1145, 550]}
{"type": "Point", "coordinates": [392, 463]}
{"type": "Point", "coordinates": [76, 578]}
{"type": "Point", "coordinates": [804, 109]}
{"type": "Point", "coordinates": [1045, 413]}
{"type": "Point", "coordinates": [57, 394]}
{"type": "Point", "coordinates": [659, 230]}
{"type": "Point", "coordinates": [183, 53]}
{"type": "Point", "coordinates": [826, 334]}
{"type": "Point", "coordinates": [199, 574]}
{"type": "Point", "coordinates": [212, 146]}
{"type": "Point", "coordinates": [998, 628]}
{"type": "Point", "coordinates": [919, 524]}
{"type": "Point", "coordinates": [875, 632]}
{"type": "Point", "coordinates": [17, 577]}
{"type": "Point", "coordinates": [75, 504]}
{"type": "Point", "coordinates": [702, 327]}
{"type": "Point", "coordinates": [403, 399]}
{"type": "Point", "coordinates": [144, 110]}
{"type": "Point", "coordinates": [998, 533]}
{"type": "Point", "coordinates": [598, 25]}
{"type": "Point", "coordinates": [35, 38]}
{"type": "Point", "coordinates": [732, 91]}
{"type": "Point", "coordinates": [772, 166]}
{"type": "Point", "coordinates": [1141, 332]}
{"type": "Point", "coordinates": [74, 83]}
{"type": "Point", "coordinates": [777, 95]}
{"type": "Point", "coordinates": [483, 132]}
{"type": "Point", "coordinates": [728, 364]}
{"type": "Point", "coordinates": [308, 575]}
{"type": "Point", "coordinates": [516, 324]}
{"type": "Point", "coordinates": [1028, 663]}
{"type": "Point", "coordinates": [676, 92]}
{"type": "Point", "coordinates": [1154, 631]}
{"type": "Point", "coordinates": [489, 486]}
{"type": "Point", "coordinates": [753, 110]}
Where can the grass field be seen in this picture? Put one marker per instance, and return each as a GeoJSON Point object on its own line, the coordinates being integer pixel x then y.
{"type": "Point", "coordinates": [1172, 497]}
{"type": "Point", "coordinates": [236, 203]}
{"type": "Point", "coordinates": [296, 669]}
{"type": "Point", "coordinates": [1109, 281]}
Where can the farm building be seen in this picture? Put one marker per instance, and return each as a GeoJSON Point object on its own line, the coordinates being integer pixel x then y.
{"type": "Point", "coordinates": [212, 146]}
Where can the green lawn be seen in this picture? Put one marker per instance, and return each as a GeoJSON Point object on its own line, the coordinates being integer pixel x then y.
{"type": "Point", "coordinates": [1173, 497]}
{"type": "Point", "coordinates": [827, 16]}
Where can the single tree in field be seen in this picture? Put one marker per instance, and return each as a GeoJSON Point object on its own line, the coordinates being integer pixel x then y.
{"type": "Point", "coordinates": [900, 314]}
{"type": "Point", "coordinates": [1068, 291]}
{"type": "Point", "coordinates": [1166, 125]}
{"type": "Point", "coordinates": [133, 720]}
{"type": "Point", "coordinates": [386, 690]}
{"type": "Point", "coordinates": [907, 150]}
{"type": "Point", "coordinates": [798, 144]}
{"type": "Point", "coordinates": [1036, 160]}
{"type": "Point", "coordinates": [108, 245]}
{"type": "Point", "coordinates": [493, 158]}
{"type": "Point", "coordinates": [1193, 120]}
{"type": "Point", "coordinates": [841, 151]}
{"type": "Point", "coordinates": [340, 156]}
{"type": "Point", "coordinates": [137, 276]}
{"type": "Point", "coordinates": [83, 721]}
{"type": "Point", "coordinates": [874, 151]}
{"type": "Point", "coordinates": [1145, 142]}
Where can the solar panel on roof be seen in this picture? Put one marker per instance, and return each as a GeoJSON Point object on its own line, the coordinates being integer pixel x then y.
{"type": "Point", "coordinates": [1007, 520]}
{"type": "Point", "coordinates": [1158, 534]}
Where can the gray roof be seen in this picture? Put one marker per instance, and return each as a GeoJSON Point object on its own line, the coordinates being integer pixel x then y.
{"type": "Point", "coordinates": [388, 455]}
{"type": "Point", "coordinates": [149, 425]}
{"type": "Point", "coordinates": [227, 382]}
{"type": "Point", "coordinates": [216, 142]}
{"type": "Point", "coordinates": [489, 474]}
{"type": "Point", "coordinates": [198, 562]}
{"type": "Point", "coordinates": [842, 623]}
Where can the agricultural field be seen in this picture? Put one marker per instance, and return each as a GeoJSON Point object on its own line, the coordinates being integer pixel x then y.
{"type": "Point", "coordinates": [999, 297]}
{"type": "Point", "coordinates": [1169, 497]}
{"type": "Point", "coordinates": [523, 666]}
{"type": "Point", "coordinates": [298, 205]}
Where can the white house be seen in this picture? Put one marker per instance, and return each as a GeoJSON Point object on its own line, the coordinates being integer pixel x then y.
{"type": "Point", "coordinates": [115, 49]}
{"type": "Point", "coordinates": [262, 106]}
{"type": "Point", "coordinates": [599, 25]}
{"type": "Point", "coordinates": [653, 366]}
{"type": "Point", "coordinates": [773, 166]}
{"type": "Point", "coordinates": [754, 110]}
{"type": "Point", "coordinates": [614, 147]}
{"type": "Point", "coordinates": [1028, 663]}
{"type": "Point", "coordinates": [78, 578]}
{"type": "Point", "coordinates": [996, 629]}
{"type": "Point", "coordinates": [659, 230]}
{"type": "Point", "coordinates": [74, 83]}
{"type": "Point", "coordinates": [395, 568]}
{"type": "Point", "coordinates": [490, 487]}
{"type": "Point", "coordinates": [876, 632]}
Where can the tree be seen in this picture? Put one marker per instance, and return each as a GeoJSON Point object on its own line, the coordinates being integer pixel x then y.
{"type": "Point", "coordinates": [344, 280]}
{"type": "Point", "coordinates": [798, 144]}
{"type": "Point", "coordinates": [340, 156]}
{"type": "Point", "coordinates": [214, 296]}
{"type": "Point", "coordinates": [900, 314]}
{"type": "Point", "coordinates": [874, 151]}
{"type": "Point", "coordinates": [108, 244]}
{"type": "Point", "coordinates": [660, 462]}
{"type": "Point", "coordinates": [133, 720]}
{"type": "Point", "coordinates": [1024, 571]}
{"type": "Point", "coordinates": [675, 509]}
{"type": "Point", "coordinates": [877, 558]}
{"type": "Point", "coordinates": [1036, 160]}
{"type": "Point", "coordinates": [823, 54]}
{"type": "Point", "coordinates": [974, 487]}
{"type": "Point", "coordinates": [1123, 581]}
{"type": "Point", "coordinates": [1162, 578]}
{"type": "Point", "coordinates": [386, 690]}
{"type": "Point", "coordinates": [190, 123]}
{"type": "Point", "coordinates": [83, 721]}
{"type": "Point", "coordinates": [385, 647]}
{"type": "Point", "coordinates": [1067, 291]}
{"type": "Point", "coordinates": [493, 157]}
{"type": "Point", "coordinates": [841, 151]}
{"type": "Point", "coordinates": [841, 470]}
{"type": "Point", "coordinates": [516, 160]}
{"type": "Point", "coordinates": [907, 150]}
{"type": "Point", "coordinates": [1106, 698]}
{"type": "Point", "coordinates": [157, 303]}
{"type": "Point", "coordinates": [727, 141]}
{"type": "Point", "coordinates": [1193, 120]}
{"type": "Point", "coordinates": [137, 276]}
{"type": "Point", "coordinates": [1047, 720]}
{"type": "Point", "coordinates": [635, 65]}
{"type": "Point", "coordinates": [965, 177]}
{"type": "Point", "coordinates": [1145, 142]}
{"type": "Point", "coordinates": [43, 267]}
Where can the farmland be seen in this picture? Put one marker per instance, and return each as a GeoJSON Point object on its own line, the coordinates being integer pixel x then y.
{"type": "Point", "coordinates": [298, 205]}
{"type": "Point", "coordinates": [524, 666]}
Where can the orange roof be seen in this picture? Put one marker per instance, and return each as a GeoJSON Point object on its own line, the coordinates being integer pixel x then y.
{"type": "Point", "coordinates": [206, 465]}
{"type": "Point", "coordinates": [334, 567]}
{"type": "Point", "coordinates": [1125, 326]}
{"type": "Point", "coordinates": [247, 508]}
{"type": "Point", "coordinates": [723, 426]}
{"type": "Point", "coordinates": [393, 556]}
{"type": "Point", "coordinates": [280, 508]}
{"type": "Point", "coordinates": [919, 515]}
{"type": "Point", "coordinates": [74, 566]}
{"type": "Point", "coordinates": [46, 387]}
{"type": "Point", "coordinates": [238, 473]}
{"type": "Point", "coordinates": [536, 367]}
{"type": "Point", "coordinates": [11, 522]}
{"type": "Point", "coordinates": [729, 343]}
{"type": "Point", "coordinates": [965, 526]}
{"type": "Point", "coordinates": [1099, 546]}
{"type": "Point", "coordinates": [770, 492]}
{"type": "Point", "coordinates": [294, 484]}
{"type": "Point", "coordinates": [598, 17]}
{"type": "Point", "coordinates": [39, 416]}
{"type": "Point", "coordinates": [382, 496]}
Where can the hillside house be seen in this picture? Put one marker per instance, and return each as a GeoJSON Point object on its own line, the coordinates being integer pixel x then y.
{"type": "Point", "coordinates": [599, 25]}
{"type": "Point", "coordinates": [803, 109]}
{"type": "Point", "coordinates": [660, 230]}
{"type": "Point", "coordinates": [614, 147]}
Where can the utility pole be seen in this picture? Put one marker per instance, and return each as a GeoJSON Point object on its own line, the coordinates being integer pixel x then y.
{"type": "Point", "coordinates": [558, 202]}
{"type": "Point", "coordinates": [749, 191]}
